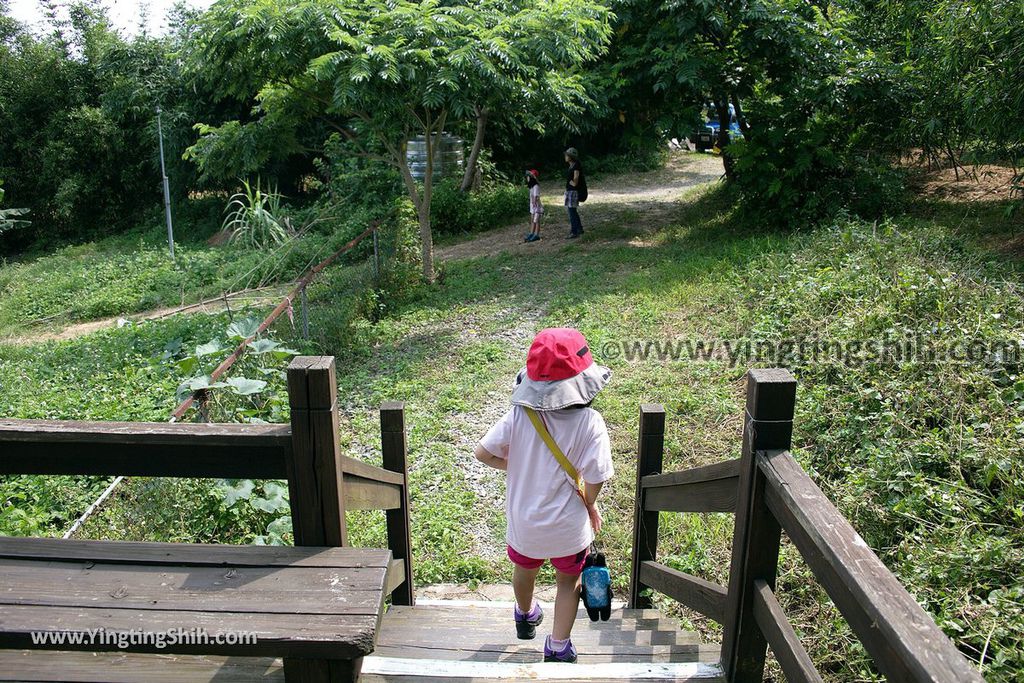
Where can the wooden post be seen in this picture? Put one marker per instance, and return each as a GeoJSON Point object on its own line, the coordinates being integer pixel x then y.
{"type": "Point", "coordinates": [395, 449]}
{"type": "Point", "coordinates": [314, 468]}
{"type": "Point", "coordinates": [767, 425]}
{"type": "Point", "coordinates": [650, 449]}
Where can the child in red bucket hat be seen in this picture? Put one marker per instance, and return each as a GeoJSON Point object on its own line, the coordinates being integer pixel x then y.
{"type": "Point", "coordinates": [557, 455]}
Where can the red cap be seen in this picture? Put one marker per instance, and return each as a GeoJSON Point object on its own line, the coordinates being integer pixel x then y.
{"type": "Point", "coordinates": [557, 353]}
{"type": "Point", "coordinates": [534, 173]}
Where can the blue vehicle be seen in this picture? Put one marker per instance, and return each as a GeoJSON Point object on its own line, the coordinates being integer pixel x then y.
{"type": "Point", "coordinates": [706, 137]}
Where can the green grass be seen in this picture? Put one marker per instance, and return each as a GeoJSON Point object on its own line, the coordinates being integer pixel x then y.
{"type": "Point", "coordinates": [129, 274]}
{"type": "Point", "coordinates": [923, 459]}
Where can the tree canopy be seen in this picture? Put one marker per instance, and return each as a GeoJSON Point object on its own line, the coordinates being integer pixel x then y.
{"type": "Point", "coordinates": [379, 72]}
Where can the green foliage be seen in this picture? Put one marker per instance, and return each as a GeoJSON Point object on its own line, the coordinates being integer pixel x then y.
{"type": "Point", "coordinates": [9, 218]}
{"type": "Point", "coordinates": [255, 218]}
{"type": "Point", "coordinates": [454, 212]}
{"type": "Point", "coordinates": [379, 72]}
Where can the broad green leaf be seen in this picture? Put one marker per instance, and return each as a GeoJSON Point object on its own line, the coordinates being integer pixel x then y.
{"type": "Point", "coordinates": [209, 348]}
{"type": "Point", "coordinates": [263, 345]}
{"type": "Point", "coordinates": [234, 490]}
{"type": "Point", "coordinates": [243, 329]}
{"type": "Point", "coordinates": [244, 386]}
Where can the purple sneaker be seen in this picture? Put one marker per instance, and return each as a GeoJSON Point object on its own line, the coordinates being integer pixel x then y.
{"type": "Point", "coordinates": [526, 624]}
{"type": "Point", "coordinates": [567, 654]}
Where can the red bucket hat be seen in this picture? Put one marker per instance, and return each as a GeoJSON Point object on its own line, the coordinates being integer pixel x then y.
{"type": "Point", "coordinates": [560, 372]}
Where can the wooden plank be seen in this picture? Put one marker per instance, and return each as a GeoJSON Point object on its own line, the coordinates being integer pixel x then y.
{"type": "Point", "coordinates": [650, 450]}
{"type": "Point", "coordinates": [479, 671]}
{"type": "Point", "coordinates": [792, 657]}
{"type": "Point", "coordinates": [290, 590]}
{"type": "Point", "coordinates": [368, 494]}
{"type": "Point", "coordinates": [904, 642]}
{"type": "Point", "coordinates": [314, 470]}
{"type": "Point", "coordinates": [358, 468]}
{"type": "Point", "coordinates": [35, 666]}
{"type": "Point", "coordinates": [277, 635]}
{"type": "Point", "coordinates": [396, 575]}
{"type": "Point", "coordinates": [727, 469]}
{"type": "Point", "coordinates": [189, 554]}
{"type": "Point", "coordinates": [322, 670]}
{"type": "Point", "coordinates": [768, 423]}
{"type": "Point", "coordinates": [227, 451]}
{"type": "Point", "coordinates": [717, 495]}
{"type": "Point", "coordinates": [702, 596]}
{"type": "Point", "coordinates": [395, 450]}
{"type": "Point", "coordinates": [526, 654]}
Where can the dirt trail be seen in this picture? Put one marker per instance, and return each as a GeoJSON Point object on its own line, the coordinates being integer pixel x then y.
{"type": "Point", "coordinates": [210, 306]}
{"type": "Point", "coordinates": [620, 207]}
{"type": "Point", "coordinates": [636, 202]}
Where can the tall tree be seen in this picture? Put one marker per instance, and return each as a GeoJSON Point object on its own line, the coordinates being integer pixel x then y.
{"type": "Point", "coordinates": [378, 72]}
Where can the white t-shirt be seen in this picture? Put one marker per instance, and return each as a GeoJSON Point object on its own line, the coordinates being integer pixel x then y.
{"type": "Point", "coordinates": [535, 206]}
{"type": "Point", "coordinates": [545, 516]}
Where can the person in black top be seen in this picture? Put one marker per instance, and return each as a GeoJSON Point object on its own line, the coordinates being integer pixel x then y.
{"type": "Point", "coordinates": [573, 181]}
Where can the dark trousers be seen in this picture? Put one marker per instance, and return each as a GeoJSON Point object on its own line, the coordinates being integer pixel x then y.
{"type": "Point", "coordinates": [575, 224]}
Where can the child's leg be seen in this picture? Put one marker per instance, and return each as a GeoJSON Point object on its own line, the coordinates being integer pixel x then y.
{"type": "Point", "coordinates": [567, 602]}
{"type": "Point", "coordinates": [523, 581]}
{"type": "Point", "coordinates": [536, 224]}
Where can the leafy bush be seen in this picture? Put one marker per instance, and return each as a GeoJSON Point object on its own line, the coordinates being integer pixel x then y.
{"type": "Point", "coordinates": [454, 212]}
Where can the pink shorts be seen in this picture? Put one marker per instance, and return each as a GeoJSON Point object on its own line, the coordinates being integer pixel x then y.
{"type": "Point", "coordinates": [570, 564]}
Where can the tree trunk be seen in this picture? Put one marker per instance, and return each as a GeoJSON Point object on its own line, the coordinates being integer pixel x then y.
{"type": "Point", "coordinates": [426, 240]}
{"type": "Point", "coordinates": [724, 122]}
{"type": "Point", "coordinates": [482, 114]}
{"type": "Point", "coordinates": [740, 116]}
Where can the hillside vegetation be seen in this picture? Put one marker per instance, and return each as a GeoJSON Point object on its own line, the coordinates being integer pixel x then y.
{"type": "Point", "coordinates": [922, 456]}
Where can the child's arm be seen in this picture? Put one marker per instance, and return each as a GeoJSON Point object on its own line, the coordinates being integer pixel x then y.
{"type": "Point", "coordinates": [590, 492]}
{"type": "Point", "coordinates": [491, 460]}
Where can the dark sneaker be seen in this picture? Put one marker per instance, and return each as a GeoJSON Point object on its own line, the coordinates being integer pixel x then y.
{"type": "Point", "coordinates": [526, 624]}
{"type": "Point", "coordinates": [534, 237]}
{"type": "Point", "coordinates": [573, 235]}
{"type": "Point", "coordinates": [567, 654]}
{"type": "Point", "coordinates": [529, 237]}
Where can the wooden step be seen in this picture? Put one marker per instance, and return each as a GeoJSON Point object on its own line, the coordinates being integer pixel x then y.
{"type": "Point", "coordinates": [463, 642]}
{"type": "Point", "coordinates": [397, 670]}
{"type": "Point", "coordinates": [480, 632]}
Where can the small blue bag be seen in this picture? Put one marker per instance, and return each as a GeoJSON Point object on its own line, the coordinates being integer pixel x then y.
{"type": "Point", "coordinates": [596, 587]}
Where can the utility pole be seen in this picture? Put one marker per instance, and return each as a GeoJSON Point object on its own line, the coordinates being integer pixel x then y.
{"type": "Point", "coordinates": [167, 190]}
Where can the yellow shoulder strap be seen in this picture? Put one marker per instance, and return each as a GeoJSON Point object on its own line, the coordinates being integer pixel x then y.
{"type": "Point", "coordinates": [542, 430]}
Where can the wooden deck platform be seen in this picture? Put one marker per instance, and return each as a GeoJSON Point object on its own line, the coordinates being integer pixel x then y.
{"type": "Point", "coordinates": [438, 641]}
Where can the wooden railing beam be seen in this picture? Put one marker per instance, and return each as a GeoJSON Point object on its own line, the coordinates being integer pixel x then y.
{"type": "Point", "coordinates": [900, 636]}
{"type": "Point", "coordinates": [394, 446]}
{"type": "Point", "coordinates": [650, 450]}
{"type": "Point", "coordinates": [796, 664]}
{"type": "Point", "coordinates": [694, 592]}
{"type": "Point", "coordinates": [315, 468]}
{"type": "Point", "coordinates": [768, 423]}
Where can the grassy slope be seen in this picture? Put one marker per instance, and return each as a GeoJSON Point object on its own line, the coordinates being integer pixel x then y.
{"type": "Point", "coordinates": [924, 460]}
{"type": "Point", "coordinates": [129, 274]}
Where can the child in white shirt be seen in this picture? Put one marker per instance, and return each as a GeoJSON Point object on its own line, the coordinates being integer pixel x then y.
{"type": "Point", "coordinates": [549, 517]}
{"type": "Point", "coordinates": [536, 208]}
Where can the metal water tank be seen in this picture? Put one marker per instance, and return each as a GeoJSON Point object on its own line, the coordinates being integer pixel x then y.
{"type": "Point", "coordinates": [449, 161]}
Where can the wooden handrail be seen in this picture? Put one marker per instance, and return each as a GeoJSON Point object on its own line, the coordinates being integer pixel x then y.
{"type": "Point", "coordinates": [711, 488]}
{"type": "Point", "coordinates": [793, 658]}
{"type": "Point", "coordinates": [770, 492]}
{"type": "Point", "coordinates": [323, 484]}
{"type": "Point", "coordinates": [699, 595]}
{"type": "Point", "coordinates": [900, 636]}
{"type": "Point", "coordinates": [225, 451]}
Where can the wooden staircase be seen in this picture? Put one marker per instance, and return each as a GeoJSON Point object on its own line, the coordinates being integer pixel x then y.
{"type": "Point", "coordinates": [450, 640]}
